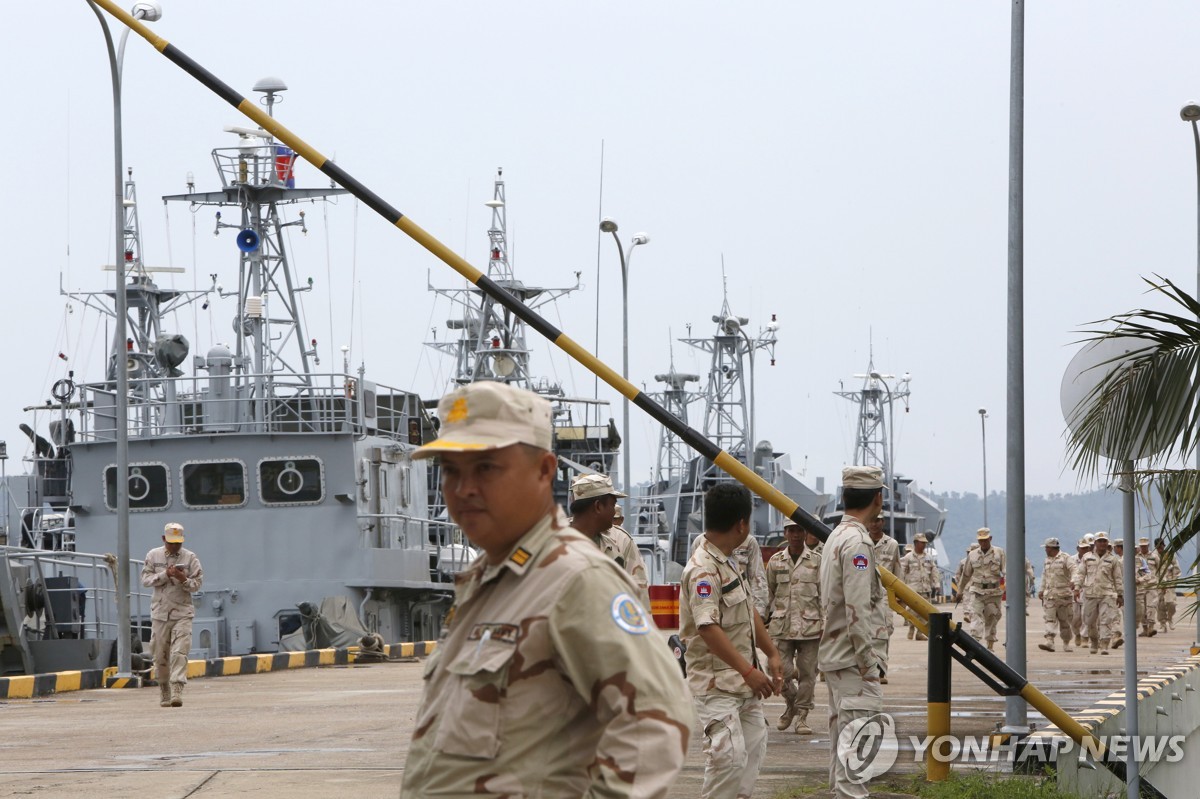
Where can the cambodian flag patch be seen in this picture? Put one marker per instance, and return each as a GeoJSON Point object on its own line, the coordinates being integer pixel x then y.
{"type": "Point", "coordinates": [704, 589]}
{"type": "Point", "coordinates": [860, 562]}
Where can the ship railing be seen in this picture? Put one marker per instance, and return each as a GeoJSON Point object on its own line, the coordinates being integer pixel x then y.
{"type": "Point", "coordinates": [92, 583]}
{"type": "Point", "coordinates": [250, 403]}
{"type": "Point", "coordinates": [255, 165]}
{"type": "Point", "coordinates": [449, 551]}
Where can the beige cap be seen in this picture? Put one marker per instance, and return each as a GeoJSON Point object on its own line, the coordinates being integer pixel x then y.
{"type": "Point", "coordinates": [1100, 536]}
{"type": "Point", "coordinates": [1118, 542]}
{"type": "Point", "coordinates": [173, 533]}
{"type": "Point", "coordinates": [1051, 542]}
{"type": "Point", "coordinates": [489, 415]}
{"type": "Point", "coordinates": [862, 477]}
{"type": "Point", "coordinates": [920, 537]}
{"type": "Point", "coordinates": [1145, 541]}
{"type": "Point", "coordinates": [974, 545]}
{"type": "Point", "coordinates": [1083, 544]}
{"type": "Point", "coordinates": [586, 486]}
{"type": "Point", "coordinates": [984, 534]}
{"type": "Point", "coordinates": [1089, 539]}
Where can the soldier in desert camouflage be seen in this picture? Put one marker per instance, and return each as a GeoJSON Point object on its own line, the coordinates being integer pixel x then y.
{"type": "Point", "coordinates": [1145, 567]}
{"type": "Point", "coordinates": [887, 555]}
{"type": "Point", "coordinates": [593, 506]}
{"type": "Point", "coordinates": [1168, 570]}
{"type": "Point", "coordinates": [549, 679]}
{"type": "Point", "coordinates": [722, 630]}
{"type": "Point", "coordinates": [794, 583]}
{"type": "Point", "coordinates": [982, 580]}
{"type": "Point", "coordinates": [1098, 576]}
{"type": "Point", "coordinates": [854, 603]}
{"type": "Point", "coordinates": [914, 570]}
{"type": "Point", "coordinates": [1057, 595]}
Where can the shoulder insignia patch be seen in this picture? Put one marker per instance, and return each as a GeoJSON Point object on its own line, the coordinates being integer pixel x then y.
{"type": "Point", "coordinates": [629, 615]}
{"type": "Point", "coordinates": [521, 556]}
{"type": "Point", "coordinates": [704, 589]}
{"type": "Point", "coordinates": [860, 562]}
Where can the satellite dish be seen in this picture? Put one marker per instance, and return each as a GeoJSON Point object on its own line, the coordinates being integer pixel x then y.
{"type": "Point", "coordinates": [1087, 370]}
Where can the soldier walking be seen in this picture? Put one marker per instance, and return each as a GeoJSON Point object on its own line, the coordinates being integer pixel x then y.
{"type": "Point", "coordinates": [593, 513]}
{"type": "Point", "coordinates": [956, 588]}
{"type": "Point", "coordinates": [982, 578]}
{"type": "Point", "coordinates": [887, 555]}
{"type": "Point", "coordinates": [175, 574]}
{"type": "Point", "coordinates": [1168, 571]}
{"type": "Point", "coordinates": [1057, 595]}
{"type": "Point", "coordinates": [547, 668]}
{"type": "Point", "coordinates": [722, 630]}
{"type": "Point", "coordinates": [1145, 568]}
{"type": "Point", "coordinates": [1098, 579]}
{"type": "Point", "coordinates": [854, 602]}
{"type": "Point", "coordinates": [914, 570]}
{"type": "Point", "coordinates": [794, 584]}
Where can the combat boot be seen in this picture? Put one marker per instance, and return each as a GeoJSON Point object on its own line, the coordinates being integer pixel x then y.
{"type": "Point", "coordinates": [910, 633]}
{"type": "Point", "coordinates": [1103, 646]}
{"type": "Point", "coordinates": [1116, 642]}
{"type": "Point", "coordinates": [1078, 640]}
{"type": "Point", "coordinates": [922, 636]}
{"type": "Point", "coordinates": [1048, 646]}
{"type": "Point", "coordinates": [991, 644]}
{"type": "Point", "coordinates": [1151, 632]}
{"type": "Point", "coordinates": [1067, 644]}
{"type": "Point", "coordinates": [164, 695]}
{"type": "Point", "coordinates": [802, 727]}
{"type": "Point", "coordinates": [785, 720]}
{"type": "Point", "coordinates": [1096, 646]}
{"type": "Point", "coordinates": [176, 694]}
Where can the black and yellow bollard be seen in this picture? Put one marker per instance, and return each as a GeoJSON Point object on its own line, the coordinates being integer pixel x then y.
{"type": "Point", "coordinates": [938, 696]}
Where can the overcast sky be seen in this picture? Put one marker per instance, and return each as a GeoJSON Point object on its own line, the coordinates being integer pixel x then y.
{"type": "Point", "coordinates": [849, 161]}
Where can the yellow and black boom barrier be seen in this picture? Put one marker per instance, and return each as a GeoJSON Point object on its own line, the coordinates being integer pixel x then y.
{"type": "Point", "coordinates": [993, 671]}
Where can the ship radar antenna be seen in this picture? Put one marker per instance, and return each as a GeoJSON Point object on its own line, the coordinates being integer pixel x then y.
{"type": "Point", "coordinates": [271, 87]}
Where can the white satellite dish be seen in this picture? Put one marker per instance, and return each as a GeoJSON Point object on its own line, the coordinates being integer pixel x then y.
{"type": "Point", "coordinates": [1090, 366]}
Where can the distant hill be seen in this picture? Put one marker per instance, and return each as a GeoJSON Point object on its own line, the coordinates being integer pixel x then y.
{"type": "Point", "coordinates": [1067, 516]}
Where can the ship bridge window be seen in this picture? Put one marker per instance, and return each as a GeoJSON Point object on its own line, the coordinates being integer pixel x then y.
{"type": "Point", "coordinates": [291, 481]}
{"type": "Point", "coordinates": [214, 484]}
{"type": "Point", "coordinates": [149, 487]}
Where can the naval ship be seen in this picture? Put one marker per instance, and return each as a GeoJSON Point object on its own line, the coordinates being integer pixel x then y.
{"type": "Point", "coordinates": [294, 484]}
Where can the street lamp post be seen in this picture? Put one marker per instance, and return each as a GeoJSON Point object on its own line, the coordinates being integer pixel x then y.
{"type": "Point", "coordinates": [610, 226]}
{"type": "Point", "coordinates": [148, 11]}
{"type": "Point", "coordinates": [983, 430]}
{"type": "Point", "coordinates": [1191, 113]}
{"type": "Point", "coordinates": [891, 455]}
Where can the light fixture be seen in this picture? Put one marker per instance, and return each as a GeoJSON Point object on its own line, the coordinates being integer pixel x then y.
{"type": "Point", "coordinates": [503, 365]}
{"type": "Point", "coordinates": [608, 225]}
{"type": "Point", "coordinates": [641, 238]}
{"type": "Point", "coordinates": [1190, 112]}
{"type": "Point", "coordinates": [148, 11]}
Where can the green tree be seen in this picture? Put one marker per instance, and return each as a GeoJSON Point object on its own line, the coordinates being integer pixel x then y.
{"type": "Point", "coordinates": [1145, 410]}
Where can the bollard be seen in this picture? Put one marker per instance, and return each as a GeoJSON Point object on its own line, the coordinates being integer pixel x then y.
{"type": "Point", "coordinates": [938, 695]}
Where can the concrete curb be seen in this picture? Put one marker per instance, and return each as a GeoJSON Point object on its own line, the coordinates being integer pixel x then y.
{"type": "Point", "coordinates": [35, 685]}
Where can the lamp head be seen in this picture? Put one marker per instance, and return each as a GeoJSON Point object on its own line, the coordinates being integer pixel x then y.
{"type": "Point", "coordinates": [640, 238]}
{"type": "Point", "coordinates": [147, 11]}
{"type": "Point", "coordinates": [1190, 112]}
{"type": "Point", "coordinates": [608, 225]}
{"type": "Point", "coordinates": [983, 411]}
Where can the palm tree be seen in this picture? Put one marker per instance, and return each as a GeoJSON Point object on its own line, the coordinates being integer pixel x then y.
{"type": "Point", "coordinates": [1145, 411]}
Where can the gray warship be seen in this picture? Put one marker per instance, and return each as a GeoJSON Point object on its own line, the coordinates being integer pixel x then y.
{"type": "Point", "coordinates": [295, 485]}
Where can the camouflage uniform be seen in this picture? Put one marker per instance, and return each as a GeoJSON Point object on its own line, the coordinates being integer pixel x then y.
{"type": "Point", "coordinates": [1058, 600]}
{"type": "Point", "coordinates": [982, 576]}
{"type": "Point", "coordinates": [749, 559]}
{"type": "Point", "coordinates": [914, 570]}
{"type": "Point", "coordinates": [171, 613]}
{"type": "Point", "coordinates": [1077, 610]}
{"type": "Point", "coordinates": [1145, 567]}
{"type": "Point", "coordinates": [1168, 570]}
{"type": "Point", "coordinates": [1099, 578]}
{"type": "Point", "coordinates": [795, 626]}
{"type": "Point", "coordinates": [549, 680]}
{"type": "Point", "coordinates": [887, 555]}
{"type": "Point", "coordinates": [854, 604]}
{"type": "Point", "coordinates": [619, 545]}
{"type": "Point", "coordinates": [712, 591]}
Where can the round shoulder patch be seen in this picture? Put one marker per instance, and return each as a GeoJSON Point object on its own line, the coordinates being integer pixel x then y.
{"type": "Point", "coordinates": [860, 562]}
{"type": "Point", "coordinates": [704, 589]}
{"type": "Point", "coordinates": [629, 616]}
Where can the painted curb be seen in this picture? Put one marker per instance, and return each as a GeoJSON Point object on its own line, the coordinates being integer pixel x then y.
{"type": "Point", "coordinates": [36, 685]}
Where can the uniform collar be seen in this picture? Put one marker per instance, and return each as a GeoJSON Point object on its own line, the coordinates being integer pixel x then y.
{"type": "Point", "coordinates": [518, 560]}
{"type": "Point", "coordinates": [713, 550]}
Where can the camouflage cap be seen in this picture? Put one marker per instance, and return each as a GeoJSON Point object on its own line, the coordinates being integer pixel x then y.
{"type": "Point", "coordinates": [1144, 542]}
{"type": "Point", "coordinates": [984, 534]}
{"type": "Point", "coordinates": [920, 537]}
{"type": "Point", "coordinates": [173, 533]}
{"type": "Point", "coordinates": [862, 477]}
{"type": "Point", "coordinates": [586, 486]}
{"type": "Point", "coordinates": [1088, 539]}
{"type": "Point", "coordinates": [1083, 543]}
{"type": "Point", "coordinates": [1100, 536]}
{"type": "Point", "coordinates": [974, 545]}
{"type": "Point", "coordinates": [1118, 542]}
{"type": "Point", "coordinates": [1051, 542]}
{"type": "Point", "coordinates": [489, 415]}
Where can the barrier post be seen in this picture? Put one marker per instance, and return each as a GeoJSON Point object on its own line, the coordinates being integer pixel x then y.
{"type": "Point", "coordinates": [938, 695]}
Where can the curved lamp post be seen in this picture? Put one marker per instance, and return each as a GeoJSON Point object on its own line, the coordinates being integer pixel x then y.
{"type": "Point", "coordinates": [608, 225]}
{"type": "Point", "coordinates": [149, 12]}
{"type": "Point", "coordinates": [891, 475]}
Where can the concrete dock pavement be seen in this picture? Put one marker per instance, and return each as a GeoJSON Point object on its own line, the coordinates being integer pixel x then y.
{"type": "Point", "coordinates": [344, 730]}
